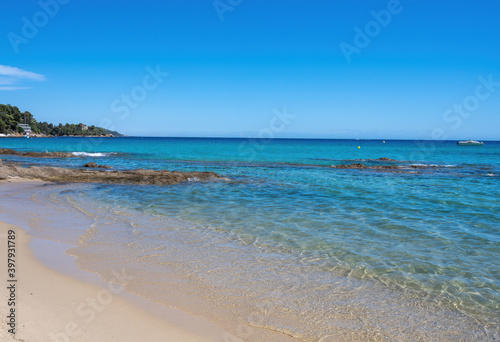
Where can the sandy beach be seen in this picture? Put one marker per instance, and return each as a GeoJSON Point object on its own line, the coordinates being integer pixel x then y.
{"type": "Point", "coordinates": [51, 306]}
{"type": "Point", "coordinates": [99, 261]}
{"type": "Point", "coordinates": [54, 300]}
{"type": "Point", "coordinates": [250, 171]}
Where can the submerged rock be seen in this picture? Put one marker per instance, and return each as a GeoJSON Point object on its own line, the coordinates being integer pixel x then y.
{"type": "Point", "coordinates": [383, 159]}
{"type": "Point", "coordinates": [37, 154]}
{"type": "Point", "coordinates": [386, 159]}
{"type": "Point", "coordinates": [95, 165]}
{"type": "Point", "coordinates": [350, 166]}
{"type": "Point", "coordinates": [139, 176]}
{"type": "Point", "coordinates": [362, 166]}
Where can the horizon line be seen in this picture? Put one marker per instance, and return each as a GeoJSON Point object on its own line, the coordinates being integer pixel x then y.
{"type": "Point", "coordinates": [292, 138]}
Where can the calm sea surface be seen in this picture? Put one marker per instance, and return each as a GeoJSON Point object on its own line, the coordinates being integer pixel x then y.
{"type": "Point", "coordinates": [288, 243]}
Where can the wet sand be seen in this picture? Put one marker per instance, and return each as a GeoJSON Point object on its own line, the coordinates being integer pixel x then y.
{"type": "Point", "coordinates": [51, 306]}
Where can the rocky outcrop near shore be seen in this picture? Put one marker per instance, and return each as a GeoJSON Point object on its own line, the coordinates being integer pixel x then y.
{"type": "Point", "coordinates": [362, 166]}
{"type": "Point", "coordinates": [37, 154]}
{"type": "Point", "coordinates": [377, 167]}
{"type": "Point", "coordinates": [139, 176]}
{"type": "Point", "coordinates": [95, 165]}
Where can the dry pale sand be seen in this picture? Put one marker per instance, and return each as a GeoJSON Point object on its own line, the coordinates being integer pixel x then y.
{"type": "Point", "coordinates": [51, 306]}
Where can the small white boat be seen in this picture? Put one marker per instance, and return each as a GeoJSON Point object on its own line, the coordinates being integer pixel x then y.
{"type": "Point", "coordinates": [470, 142]}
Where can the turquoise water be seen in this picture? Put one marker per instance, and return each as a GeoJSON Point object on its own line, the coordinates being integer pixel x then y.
{"type": "Point", "coordinates": [428, 235]}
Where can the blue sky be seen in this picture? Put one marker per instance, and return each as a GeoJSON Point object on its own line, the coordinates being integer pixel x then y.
{"type": "Point", "coordinates": [424, 70]}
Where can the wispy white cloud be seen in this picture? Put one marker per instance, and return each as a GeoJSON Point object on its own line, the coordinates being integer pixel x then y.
{"type": "Point", "coordinates": [11, 76]}
{"type": "Point", "coordinates": [13, 88]}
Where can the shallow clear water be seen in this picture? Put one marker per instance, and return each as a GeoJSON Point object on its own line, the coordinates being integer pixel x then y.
{"type": "Point", "coordinates": [348, 250]}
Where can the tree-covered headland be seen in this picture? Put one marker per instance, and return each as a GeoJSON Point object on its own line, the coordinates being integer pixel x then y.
{"type": "Point", "coordinates": [11, 116]}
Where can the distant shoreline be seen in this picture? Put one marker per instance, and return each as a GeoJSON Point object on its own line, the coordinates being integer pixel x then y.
{"type": "Point", "coordinates": [240, 138]}
{"type": "Point", "coordinates": [59, 136]}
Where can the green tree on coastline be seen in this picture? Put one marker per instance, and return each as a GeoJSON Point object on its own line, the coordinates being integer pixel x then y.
{"type": "Point", "coordinates": [11, 116]}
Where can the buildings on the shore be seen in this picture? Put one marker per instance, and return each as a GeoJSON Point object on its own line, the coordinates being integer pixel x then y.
{"type": "Point", "coordinates": [26, 128]}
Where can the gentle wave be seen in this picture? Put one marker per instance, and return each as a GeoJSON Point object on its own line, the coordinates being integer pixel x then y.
{"type": "Point", "coordinates": [432, 165]}
{"type": "Point", "coordinates": [90, 154]}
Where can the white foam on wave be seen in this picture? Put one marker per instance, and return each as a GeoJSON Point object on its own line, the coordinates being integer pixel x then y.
{"type": "Point", "coordinates": [432, 165]}
{"type": "Point", "coordinates": [90, 154]}
{"type": "Point", "coordinates": [437, 165]}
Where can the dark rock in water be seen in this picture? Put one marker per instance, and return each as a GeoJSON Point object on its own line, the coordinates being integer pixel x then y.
{"type": "Point", "coordinates": [141, 176]}
{"type": "Point", "coordinates": [350, 166]}
{"type": "Point", "coordinates": [9, 151]}
{"type": "Point", "coordinates": [95, 165]}
{"type": "Point", "coordinates": [383, 159]}
{"type": "Point", "coordinates": [362, 166]}
{"type": "Point", "coordinates": [48, 154]}
{"type": "Point", "coordinates": [37, 154]}
{"type": "Point", "coordinates": [386, 159]}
